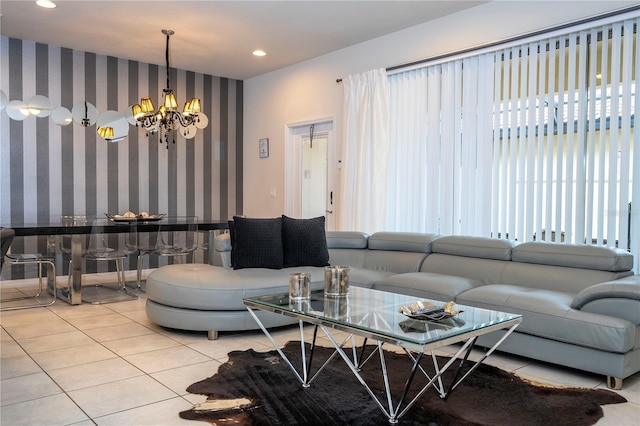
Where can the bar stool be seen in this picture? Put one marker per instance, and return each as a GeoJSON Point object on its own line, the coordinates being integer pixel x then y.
{"type": "Point", "coordinates": [7, 235]}
{"type": "Point", "coordinates": [106, 246]}
{"type": "Point", "coordinates": [176, 237]}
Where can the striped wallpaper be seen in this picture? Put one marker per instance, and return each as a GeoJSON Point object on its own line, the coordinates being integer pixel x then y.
{"type": "Point", "coordinates": [47, 171]}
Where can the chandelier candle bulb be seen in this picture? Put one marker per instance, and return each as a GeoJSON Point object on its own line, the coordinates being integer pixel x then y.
{"type": "Point", "coordinates": [336, 281]}
{"type": "Point", "coordinates": [299, 285]}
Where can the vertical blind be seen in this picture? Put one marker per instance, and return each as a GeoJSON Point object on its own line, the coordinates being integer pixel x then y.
{"type": "Point", "coordinates": [564, 127]}
{"type": "Point", "coordinates": [533, 141]}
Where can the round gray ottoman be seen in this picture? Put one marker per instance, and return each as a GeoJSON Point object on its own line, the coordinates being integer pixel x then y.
{"type": "Point", "coordinates": [204, 297]}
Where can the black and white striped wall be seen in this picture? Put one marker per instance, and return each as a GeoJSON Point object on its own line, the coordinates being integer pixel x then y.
{"type": "Point", "coordinates": [47, 171]}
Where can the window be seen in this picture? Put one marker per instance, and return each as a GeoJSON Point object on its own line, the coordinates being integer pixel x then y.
{"type": "Point", "coordinates": [564, 138]}
{"type": "Point", "coordinates": [534, 141]}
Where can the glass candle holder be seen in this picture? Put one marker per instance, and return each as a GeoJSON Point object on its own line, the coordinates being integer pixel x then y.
{"type": "Point", "coordinates": [299, 285]}
{"type": "Point", "coordinates": [336, 281]}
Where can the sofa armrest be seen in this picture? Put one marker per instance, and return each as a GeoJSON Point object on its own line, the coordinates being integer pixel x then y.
{"type": "Point", "coordinates": [619, 298]}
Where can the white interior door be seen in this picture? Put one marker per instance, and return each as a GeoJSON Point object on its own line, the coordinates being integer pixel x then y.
{"type": "Point", "coordinates": [314, 175]}
{"type": "Point", "coordinates": [310, 171]}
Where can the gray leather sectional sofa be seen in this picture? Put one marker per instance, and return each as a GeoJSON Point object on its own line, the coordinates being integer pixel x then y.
{"type": "Point", "coordinates": [580, 303]}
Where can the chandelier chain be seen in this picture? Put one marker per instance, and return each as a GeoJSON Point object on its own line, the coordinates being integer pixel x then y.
{"type": "Point", "coordinates": [167, 59]}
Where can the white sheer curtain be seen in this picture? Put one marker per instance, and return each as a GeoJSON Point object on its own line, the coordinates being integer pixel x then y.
{"type": "Point", "coordinates": [365, 151]}
{"type": "Point", "coordinates": [441, 133]}
{"type": "Point", "coordinates": [408, 201]}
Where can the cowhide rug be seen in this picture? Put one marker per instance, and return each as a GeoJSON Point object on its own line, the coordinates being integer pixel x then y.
{"type": "Point", "coordinates": [254, 388]}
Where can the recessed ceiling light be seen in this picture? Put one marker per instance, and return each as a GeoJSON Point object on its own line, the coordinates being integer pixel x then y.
{"type": "Point", "coordinates": [46, 3]}
{"type": "Point", "coordinates": [259, 53]}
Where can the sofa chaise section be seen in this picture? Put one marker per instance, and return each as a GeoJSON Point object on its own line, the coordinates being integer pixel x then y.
{"type": "Point", "coordinates": [202, 297]}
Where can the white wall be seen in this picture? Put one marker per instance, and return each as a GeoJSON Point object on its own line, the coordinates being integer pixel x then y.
{"type": "Point", "coordinates": [308, 91]}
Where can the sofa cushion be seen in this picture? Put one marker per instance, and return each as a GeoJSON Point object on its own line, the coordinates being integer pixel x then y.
{"type": "Point", "coordinates": [584, 256]}
{"type": "Point", "coordinates": [256, 243]}
{"type": "Point", "coordinates": [346, 240]}
{"type": "Point", "coordinates": [393, 261]}
{"type": "Point", "coordinates": [487, 271]}
{"type": "Point", "coordinates": [366, 277]}
{"type": "Point", "coordinates": [401, 241]}
{"type": "Point", "coordinates": [548, 314]}
{"type": "Point", "coordinates": [304, 242]}
{"type": "Point", "coordinates": [427, 285]}
{"type": "Point", "coordinates": [481, 247]}
{"type": "Point", "coordinates": [205, 287]}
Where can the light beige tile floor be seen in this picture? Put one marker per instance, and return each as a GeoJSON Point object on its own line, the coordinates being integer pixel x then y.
{"type": "Point", "coordinates": [109, 365]}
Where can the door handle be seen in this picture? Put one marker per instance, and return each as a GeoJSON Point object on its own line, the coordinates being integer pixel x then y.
{"type": "Point", "coordinates": [329, 211]}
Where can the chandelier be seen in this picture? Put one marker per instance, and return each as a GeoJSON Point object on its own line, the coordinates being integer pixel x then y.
{"type": "Point", "coordinates": [167, 119]}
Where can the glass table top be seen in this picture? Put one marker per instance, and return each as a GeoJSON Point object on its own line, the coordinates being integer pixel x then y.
{"type": "Point", "coordinates": [376, 314]}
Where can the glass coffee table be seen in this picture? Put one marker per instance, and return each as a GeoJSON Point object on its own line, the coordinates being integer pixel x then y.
{"type": "Point", "coordinates": [376, 315]}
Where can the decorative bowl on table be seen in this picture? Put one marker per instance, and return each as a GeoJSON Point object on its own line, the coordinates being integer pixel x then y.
{"type": "Point", "coordinates": [427, 311]}
{"type": "Point", "coordinates": [132, 217]}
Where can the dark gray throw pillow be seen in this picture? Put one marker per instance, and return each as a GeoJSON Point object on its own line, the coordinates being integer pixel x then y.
{"type": "Point", "coordinates": [257, 243]}
{"type": "Point", "coordinates": [304, 242]}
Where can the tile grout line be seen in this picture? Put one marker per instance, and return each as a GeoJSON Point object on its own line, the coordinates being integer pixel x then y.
{"type": "Point", "coordinates": [143, 373]}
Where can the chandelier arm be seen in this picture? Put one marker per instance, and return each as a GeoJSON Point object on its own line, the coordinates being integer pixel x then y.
{"type": "Point", "coordinates": [148, 121]}
{"type": "Point", "coordinates": [183, 120]}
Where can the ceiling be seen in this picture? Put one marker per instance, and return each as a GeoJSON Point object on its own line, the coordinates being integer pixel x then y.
{"type": "Point", "coordinates": [216, 37]}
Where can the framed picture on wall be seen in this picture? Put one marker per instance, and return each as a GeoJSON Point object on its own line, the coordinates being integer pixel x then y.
{"type": "Point", "coordinates": [263, 145]}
